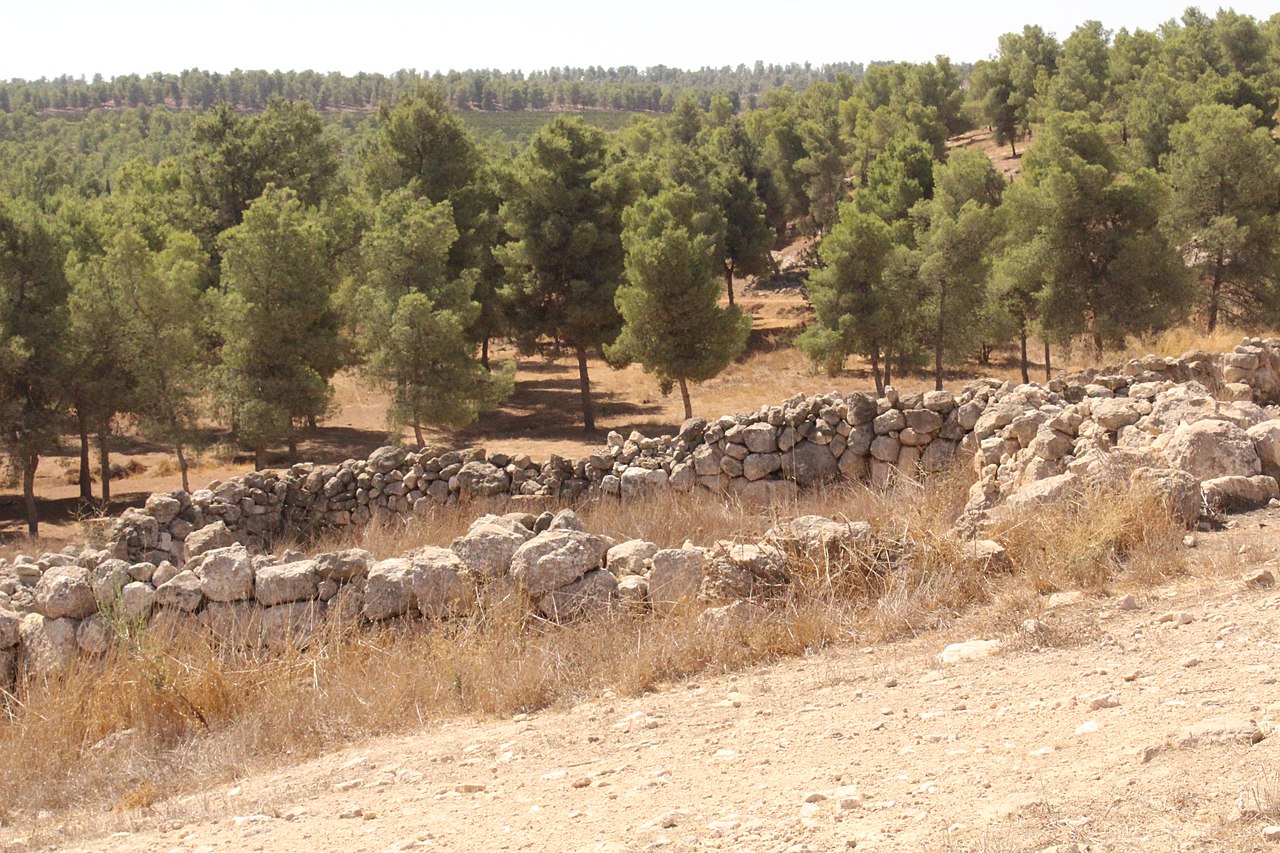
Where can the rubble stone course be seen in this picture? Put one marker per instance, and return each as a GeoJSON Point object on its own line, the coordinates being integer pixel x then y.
{"type": "Point", "coordinates": [1194, 429]}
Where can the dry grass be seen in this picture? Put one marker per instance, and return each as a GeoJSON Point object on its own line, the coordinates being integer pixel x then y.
{"type": "Point", "coordinates": [172, 711]}
{"type": "Point", "coordinates": [1099, 540]}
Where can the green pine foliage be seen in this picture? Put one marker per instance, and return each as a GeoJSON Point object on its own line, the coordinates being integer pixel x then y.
{"type": "Point", "coordinates": [674, 325]}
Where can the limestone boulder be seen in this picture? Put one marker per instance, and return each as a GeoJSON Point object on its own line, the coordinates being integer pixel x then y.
{"type": "Point", "coordinates": [136, 601]}
{"type": "Point", "coordinates": [1266, 441]}
{"type": "Point", "coordinates": [438, 584]}
{"type": "Point", "coordinates": [65, 591]}
{"type": "Point", "coordinates": [9, 623]}
{"type": "Point", "coordinates": [482, 479]}
{"type": "Point", "coordinates": [285, 583]}
{"type": "Point", "coordinates": [676, 578]}
{"type": "Point", "coordinates": [226, 574]}
{"type": "Point", "coordinates": [181, 592]}
{"type": "Point", "coordinates": [810, 464]}
{"type": "Point", "coordinates": [1050, 490]}
{"type": "Point", "coordinates": [343, 566]}
{"type": "Point", "coordinates": [556, 558]}
{"type": "Point", "coordinates": [1213, 448]}
{"type": "Point", "coordinates": [1239, 494]}
{"type": "Point", "coordinates": [757, 466]}
{"type": "Point", "coordinates": [208, 538]}
{"type": "Point", "coordinates": [633, 557]}
{"type": "Point", "coordinates": [388, 589]}
{"type": "Point", "coordinates": [48, 645]}
{"type": "Point", "coordinates": [593, 594]}
{"type": "Point", "coordinates": [164, 508]}
{"type": "Point", "coordinates": [819, 539]}
{"type": "Point", "coordinates": [94, 635]}
{"type": "Point", "coordinates": [488, 548]}
{"type": "Point", "coordinates": [1113, 413]}
{"type": "Point", "coordinates": [734, 616]}
{"type": "Point", "coordinates": [760, 438]}
{"type": "Point", "coordinates": [633, 591]}
{"type": "Point", "coordinates": [290, 625]}
{"type": "Point", "coordinates": [1177, 490]}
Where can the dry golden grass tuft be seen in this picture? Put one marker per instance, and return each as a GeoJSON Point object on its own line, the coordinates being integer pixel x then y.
{"type": "Point", "coordinates": [171, 710]}
{"type": "Point", "coordinates": [1103, 538]}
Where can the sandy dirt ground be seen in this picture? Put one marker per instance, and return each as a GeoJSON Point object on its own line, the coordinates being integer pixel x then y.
{"type": "Point", "coordinates": [1073, 739]}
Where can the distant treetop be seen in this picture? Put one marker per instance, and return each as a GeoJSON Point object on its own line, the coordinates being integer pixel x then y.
{"type": "Point", "coordinates": [626, 88]}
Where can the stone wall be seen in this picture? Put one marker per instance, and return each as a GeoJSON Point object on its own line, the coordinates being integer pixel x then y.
{"type": "Point", "coordinates": [59, 607]}
{"type": "Point", "coordinates": [1189, 428]}
{"type": "Point", "coordinates": [763, 456]}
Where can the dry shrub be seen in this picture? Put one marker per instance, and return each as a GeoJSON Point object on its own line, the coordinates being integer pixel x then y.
{"type": "Point", "coordinates": [1261, 800]}
{"type": "Point", "coordinates": [130, 468]}
{"type": "Point", "coordinates": [1103, 536]}
{"type": "Point", "coordinates": [166, 467]}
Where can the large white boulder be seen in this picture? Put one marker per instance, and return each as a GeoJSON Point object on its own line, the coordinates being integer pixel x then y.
{"type": "Point", "coordinates": [1213, 448]}
{"type": "Point", "coordinates": [555, 558]}
{"type": "Point", "coordinates": [65, 591]}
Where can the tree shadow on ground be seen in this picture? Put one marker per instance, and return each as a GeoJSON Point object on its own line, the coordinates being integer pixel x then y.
{"type": "Point", "coordinates": [13, 511]}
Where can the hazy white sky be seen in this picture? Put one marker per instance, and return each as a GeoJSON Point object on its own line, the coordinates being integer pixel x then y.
{"type": "Point", "coordinates": [121, 36]}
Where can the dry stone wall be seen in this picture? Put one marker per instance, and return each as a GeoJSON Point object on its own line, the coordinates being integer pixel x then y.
{"type": "Point", "coordinates": [1193, 428]}
{"type": "Point", "coordinates": [760, 457]}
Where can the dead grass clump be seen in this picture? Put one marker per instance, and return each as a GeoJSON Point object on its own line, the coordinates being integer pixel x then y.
{"type": "Point", "coordinates": [1261, 800]}
{"type": "Point", "coordinates": [1104, 536]}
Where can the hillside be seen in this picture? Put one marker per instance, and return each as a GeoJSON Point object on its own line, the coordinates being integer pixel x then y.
{"type": "Point", "coordinates": [1069, 737]}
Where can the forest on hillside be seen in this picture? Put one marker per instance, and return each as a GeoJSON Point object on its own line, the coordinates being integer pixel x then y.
{"type": "Point", "coordinates": [185, 258]}
{"type": "Point", "coordinates": [625, 89]}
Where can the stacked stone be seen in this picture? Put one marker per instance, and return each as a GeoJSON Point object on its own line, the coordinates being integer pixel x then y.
{"type": "Point", "coordinates": [59, 606]}
{"type": "Point", "coordinates": [1202, 454]}
{"type": "Point", "coordinates": [1028, 432]}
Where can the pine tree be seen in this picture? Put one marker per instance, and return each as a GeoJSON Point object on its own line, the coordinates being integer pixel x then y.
{"type": "Point", "coordinates": [673, 323]}
{"type": "Point", "coordinates": [33, 295]}
{"type": "Point", "coordinates": [848, 293]}
{"type": "Point", "coordinates": [1108, 268]}
{"type": "Point", "coordinates": [955, 230]}
{"type": "Point", "coordinates": [275, 320]}
{"type": "Point", "coordinates": [416, 317]}
{"type": "Point", "coordinates": [565, 260]}
{"type": "Point", "coordinates": [1223, 170]}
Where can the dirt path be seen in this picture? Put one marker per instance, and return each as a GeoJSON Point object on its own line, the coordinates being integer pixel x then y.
{"type": "Point", "coordinates": [1068, 740]}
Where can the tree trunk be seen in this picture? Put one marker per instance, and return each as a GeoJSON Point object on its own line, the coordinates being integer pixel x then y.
{"type": "Point", "coordinates": [86, 473]}
{"type": "Point", "coordinates": [29, 494]}
{"type": "Point", "coordinates": [1215, 293]}
{"type": "Point", "coordinates": [484, 359]}
{"type": "Point", "coordinates": [183, 466]}
{"type": "Point", "coordinates": [104, 459]}
{"type": "Point", "coordinates": [311, 422]}
{"type": "Point", "coordinates": [417, 435]}
{"type": "Point", "coordinates": [888, 376]}
{"type": "Point", "coordinates": [684, 395]}
{"type": "Point", "coordinates": [584, 383]}
{"type": "Point", "coordinates": [1048, 364]}
{"type": "Point", "coordinates": [938, 341]}
{"type": "Point", "coordinates": [259, 458]}
{"type": "Point", "coordinates": [1013, 146]}
{"type": "Point", "coordinates": [875, 369]}
{"type": "Point", "coordinates": [1022, 338]}
{"type": "Point", "coordinates": [293, 449]}
{"type": "Point", "coordinates": [1097, 345]}
{"type": "Point", "coordinates": [728, 279]}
